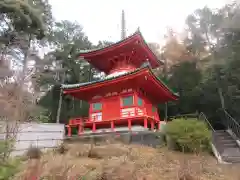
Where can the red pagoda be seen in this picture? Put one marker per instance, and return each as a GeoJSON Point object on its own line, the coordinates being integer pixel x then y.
{"type": "Point", "coordinates": [129, 93]}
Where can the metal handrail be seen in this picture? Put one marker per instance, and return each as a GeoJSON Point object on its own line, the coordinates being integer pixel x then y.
{"type": "Point", "coordinates": [231, 123]}
{"type": "Point", "coordinates": [206, 120]}
{"type": "Point", "coordinates": [236, 123]}
{"type": "Point", "coordinates": [184, 116]}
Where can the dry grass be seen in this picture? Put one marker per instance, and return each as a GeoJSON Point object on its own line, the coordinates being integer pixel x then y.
{"type": "Point", "coordinates": [128, 162]}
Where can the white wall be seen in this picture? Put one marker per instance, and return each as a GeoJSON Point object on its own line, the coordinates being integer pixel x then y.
{"type": "Point", "coordinates": [41, 135]}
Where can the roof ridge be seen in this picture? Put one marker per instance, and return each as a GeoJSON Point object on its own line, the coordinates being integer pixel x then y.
{"type": "Point", "coordinates": [96, 49]}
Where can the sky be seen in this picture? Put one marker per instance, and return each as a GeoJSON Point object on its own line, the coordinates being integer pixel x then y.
{"type": "Point", "coordinates": [101, 19]}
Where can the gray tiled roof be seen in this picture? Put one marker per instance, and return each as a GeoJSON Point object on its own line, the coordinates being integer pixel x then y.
{"type": "Point", "coordinates": [137, 32]}
{"type": "Point", "coordinates": [74, 86]}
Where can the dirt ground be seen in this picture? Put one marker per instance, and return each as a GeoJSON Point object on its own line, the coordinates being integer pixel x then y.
{"type": "Point", "coordinates": [128, 162]}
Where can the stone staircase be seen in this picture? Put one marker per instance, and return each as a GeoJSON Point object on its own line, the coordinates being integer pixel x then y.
{"type": "Point", "coordinates": [227, 147]}
{"type": "Point", "coordinates": [224, 143]}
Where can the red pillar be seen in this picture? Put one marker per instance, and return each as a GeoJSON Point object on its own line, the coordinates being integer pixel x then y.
{"type": "Point", "coordinates": [112, 125]}
{"type": "Point", "coordinates": [80, 129]}
{"type": "Point", "coordinates": [152, 124]}
{"type": "Point", "coordinates": [69, 130]}
{"type": "Point", "coordinates": [94, 127]}
{"type": "Point", "coordinates": [145, 123]}
{"type": "Point", "coordinates": [158, 125]}
{"type": "Point", "coordinates": [129, 124]}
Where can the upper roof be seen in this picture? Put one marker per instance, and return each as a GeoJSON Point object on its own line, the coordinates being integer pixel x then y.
{"type": "Point", "coordinates": [133, 46]}
{"type": "Point", "coordinates": [143, 77]}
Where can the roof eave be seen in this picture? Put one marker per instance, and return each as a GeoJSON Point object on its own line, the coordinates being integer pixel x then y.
{"type": "Point", "coordinates": [77, 86]}
{"type": "Point", "coordinates": [175, 94]}
{"type": "Point", "coordinates": [137, 33]}
{"type": "Point", "coordinates": [149, 49]}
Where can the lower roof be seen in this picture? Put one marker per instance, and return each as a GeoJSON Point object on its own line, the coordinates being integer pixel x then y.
{"type": "Point", "coordinates": [142, 78]}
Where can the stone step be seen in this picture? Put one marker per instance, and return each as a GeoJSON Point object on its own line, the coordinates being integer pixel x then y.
{"type": "Point", "coordinates": [230, 144]}
{"type": "Point", "coordinates": [231, 152]}
{"type": "Point", "coordinates": [231, 159]}
{"type": "Point", "coordinates": [224, 152]}
{"type": "Point", "coordinates": [224, 139]}
{"type": "Point", "coordinates": [220, 132]}
{"type": "Point", "coordinates": [223, 135]}
{"type": "Point", "coordinates": [226, 143]}
{"type": "Point", "coordinates": [227, 146]}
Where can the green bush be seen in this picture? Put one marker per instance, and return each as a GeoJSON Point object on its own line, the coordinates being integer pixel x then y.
{"type": "Point", "coordinates": [189, 135]}
{"type": "Point", "coordinates": [9, 169]}
{"type": "Point", "coordinates": [33, 153]}
{"type": "Point", "coordinates": [5, 149]}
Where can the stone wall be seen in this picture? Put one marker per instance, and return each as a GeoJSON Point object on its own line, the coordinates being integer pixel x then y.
{"type": "Point", "coordinates": [41, 135]}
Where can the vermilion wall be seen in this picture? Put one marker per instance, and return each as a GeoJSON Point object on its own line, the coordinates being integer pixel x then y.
{"type": "Point", "coordinates": [148, 107]}
{"type": "Point", "coordinates": [112, 106]}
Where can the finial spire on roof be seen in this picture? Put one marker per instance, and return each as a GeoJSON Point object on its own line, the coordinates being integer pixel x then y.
{"type": "Point", "coordinates": [123, 24]}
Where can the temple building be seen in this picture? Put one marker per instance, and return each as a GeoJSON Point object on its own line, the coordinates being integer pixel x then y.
{"type": "Point", "coordinates": [129, 93]}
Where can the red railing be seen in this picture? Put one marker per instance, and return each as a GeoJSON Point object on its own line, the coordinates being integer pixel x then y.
{"type": "Point", "coordinates": [77, 121]}
{"type": "Point", "coordinates": [137, 112]}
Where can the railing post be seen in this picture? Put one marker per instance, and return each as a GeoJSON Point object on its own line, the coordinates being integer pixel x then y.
{"type": "Point", "coordinates": [94, 127]}
{"type": "Point", "coordinates": [145, 123]}
{"type": "Point", "coordinates": [112, 125]}
{"type": "Point", "coordinates": [129, 124]}
{"type": "Point", "coordinates": [152, 124]}
{"type": "Point", "coordinates": [158, 125]}
{"type": "Point", "coordinates": [69, 130]}
{"type": "Point", "coordinates": [80, 129]}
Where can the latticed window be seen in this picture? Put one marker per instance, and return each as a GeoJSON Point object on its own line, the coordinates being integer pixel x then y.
{"type": "Point", "coordinates": [97, 106]}
{"type": "Point", "coordinates": [140, 101]}
{"type": "Point", "coordinates": [127, 101]}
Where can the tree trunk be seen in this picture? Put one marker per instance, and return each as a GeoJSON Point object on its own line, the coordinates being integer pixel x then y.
{"type": "Point", "coordinates": [220, 93]}
{"type": "Point", "coordinates": [165, 77]}
{"type": "Point", "coordinates": [59, 107]}
{"type": "Point", "coordinates": [60, 98]}
{"type": "Point", "coordinates": [166, 111]}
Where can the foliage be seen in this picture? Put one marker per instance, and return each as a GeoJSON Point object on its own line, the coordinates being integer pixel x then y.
{"type": "Point", "coordinates": [69, 39]}
{"type": "Point", "coordinates": [174, 51]}
{"type": "Point", "coordinates": [209, 80]}
{"type": "Point", "coordinates": [42, 115]}
{"type": "Point", "coordinates": [184, 78]}
{"type": "Point", "coordinates": [33, 153]}
{"type": "Point", "coordinates": [25, 15]}
{"type": "Point", "coordinates": [190, 134]}
{"type": "Point", "coordinates": [9, 169]}
{"type": "Point", "coordinates": [4, 148]}
{"type": "Point", "coordinates": [61, 149]}
{"type": "Point", "coordinates": [120, 161]}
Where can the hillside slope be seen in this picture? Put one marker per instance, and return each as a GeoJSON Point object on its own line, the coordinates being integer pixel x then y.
{"type": "Point", "coordinates": [126, 162]}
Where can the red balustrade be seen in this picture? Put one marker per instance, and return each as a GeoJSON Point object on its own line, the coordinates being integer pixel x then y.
{"type": "Point", "coordinates": [93, 122]}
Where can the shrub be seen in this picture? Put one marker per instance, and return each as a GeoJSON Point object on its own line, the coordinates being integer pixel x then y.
{"type": "Point", "coordinates": [9, 169]}
{"type": "Point", "coordinates": [5, 149]}
{"type": "Point", "coordinates": [191, 135]}
{"type": "Point", "coordinates": [61, 149]}
{"type": "Point", "coordinates": [33, 153]}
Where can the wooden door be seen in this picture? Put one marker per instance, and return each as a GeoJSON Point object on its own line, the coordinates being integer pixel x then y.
{"type": "Point", "coordinates": [111, 107]}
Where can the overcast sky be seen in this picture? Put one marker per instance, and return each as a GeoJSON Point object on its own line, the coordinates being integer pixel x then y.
{"type": "Point", "coordinates": [101, 19]}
